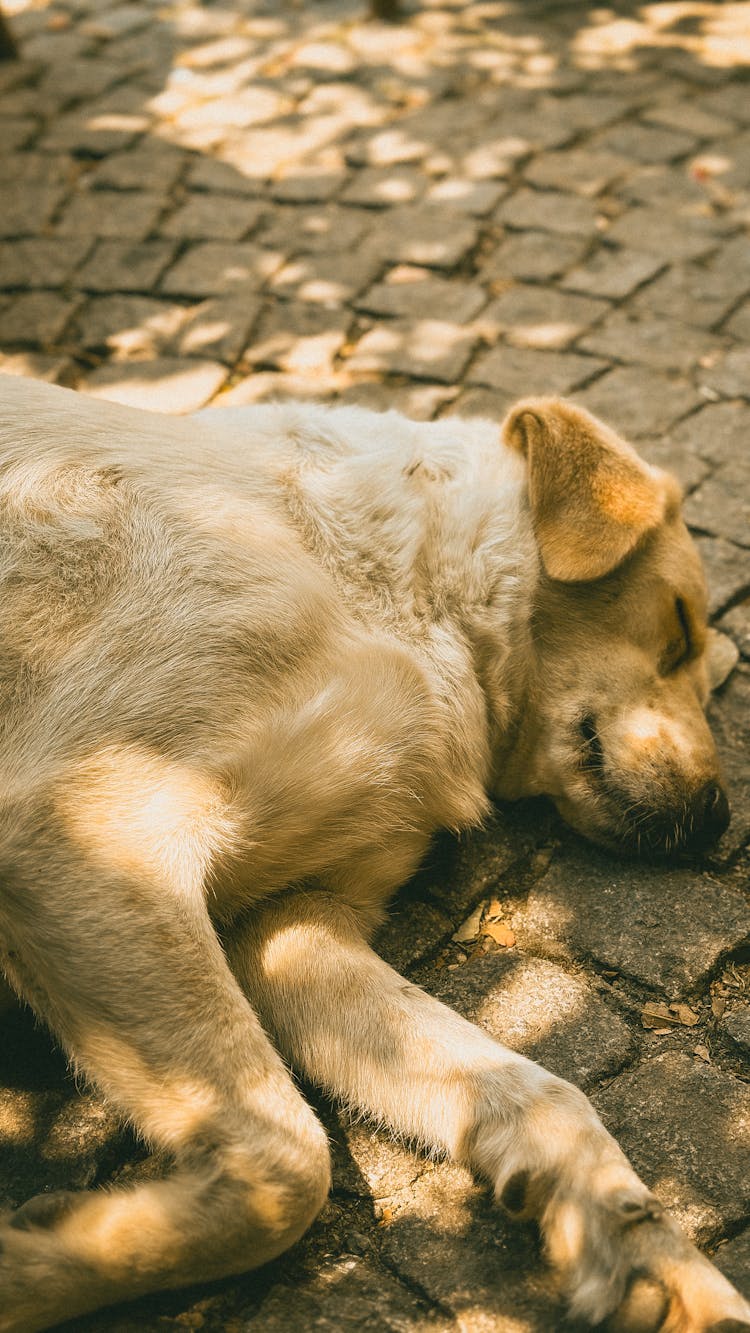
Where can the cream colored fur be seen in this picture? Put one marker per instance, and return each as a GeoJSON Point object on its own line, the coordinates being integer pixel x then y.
{"type": "Point", "coordinates": [250, 661]}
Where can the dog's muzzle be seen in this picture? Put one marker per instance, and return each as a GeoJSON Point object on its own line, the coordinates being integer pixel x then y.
{"type": "Point", "coordinates": [694, 827]}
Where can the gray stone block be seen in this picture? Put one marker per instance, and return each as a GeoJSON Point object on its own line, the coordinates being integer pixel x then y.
{"type": "Point", "coordinates": [729, 715]}
{"type": "Point", "coordinates": [686, 1127]}
{"type": "Point", "coordinates": [728, 569]}
{"type": "Point", "coordinates": [737, 1024]}
{"type": "Point", "coordinates": [664, 927]}
{"type": "Point", "coordinates": [535, 1007]}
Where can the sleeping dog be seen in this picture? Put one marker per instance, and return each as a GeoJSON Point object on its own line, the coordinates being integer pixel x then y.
{"type": "Point", "coordinates": [250, 661]}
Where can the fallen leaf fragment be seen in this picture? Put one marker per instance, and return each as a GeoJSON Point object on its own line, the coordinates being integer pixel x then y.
{"type": "Point", "coordinates": [703, 1053]}
{"type": "Point", "coordinates": [470, 927]}
{"type": "Point", "coordinates": [500, 933]}
{"type": "Point", "coordinates": [685, 1015]}
{"type": "Point", "coordinates": [655, 1015]}
{"type": "Point", "coordinates": [495, 909]}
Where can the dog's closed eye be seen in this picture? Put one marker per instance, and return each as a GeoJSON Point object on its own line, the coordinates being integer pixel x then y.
{"type": "Point", "coordinates": [592, 755]}
{"type": "Point", "coordinates": [679, 649]}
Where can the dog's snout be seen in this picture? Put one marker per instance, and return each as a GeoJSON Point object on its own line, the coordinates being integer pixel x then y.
{"type": "Point", "coordinates": [694, 826]}
{"type": "Point", "coordinates": [710, 814]}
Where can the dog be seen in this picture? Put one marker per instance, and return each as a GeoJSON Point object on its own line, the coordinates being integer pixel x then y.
{"type": "Point", "coordinates": [250, 661]}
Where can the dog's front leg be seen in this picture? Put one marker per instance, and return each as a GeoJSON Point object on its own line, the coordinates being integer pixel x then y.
{"type": "Point", "coordinates": [356, 1027]}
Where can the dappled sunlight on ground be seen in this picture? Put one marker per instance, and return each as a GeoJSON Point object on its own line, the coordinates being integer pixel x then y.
{"type": "Point", "coordinates": [245, 187]}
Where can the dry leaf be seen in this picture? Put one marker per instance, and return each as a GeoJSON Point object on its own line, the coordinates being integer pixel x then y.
{"type": "Point", "coordinates": [495, 909]}
{"type": "Point", "coordinates": [655, 1015]}
{"type": "Point", "coordinates": [685, 1014]}
{"type": "Point", "coordinates": [703, 1053]}
{"type": "Point", "coordinates": [500, 933]}
{"type": "Point", "coordinates": [470, 927]}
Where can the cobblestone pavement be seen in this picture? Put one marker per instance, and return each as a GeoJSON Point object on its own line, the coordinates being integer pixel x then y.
{"type": "Point", "coordinates": [202, 203]}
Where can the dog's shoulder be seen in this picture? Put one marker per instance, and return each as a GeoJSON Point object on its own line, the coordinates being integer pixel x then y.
{"type": "Point", "coordinates": [145, 539]}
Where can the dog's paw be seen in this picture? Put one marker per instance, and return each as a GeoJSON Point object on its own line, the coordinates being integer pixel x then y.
{"type": "Point", "coordinates": [629, 1269]}
{"type": "Point", "coordinates": [35, 1272]}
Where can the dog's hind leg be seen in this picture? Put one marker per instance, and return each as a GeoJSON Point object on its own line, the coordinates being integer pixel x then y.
{"type": "Point", "coordinates": [135, 984]}
{"type": "Point", "coordinates": [384, 1047]}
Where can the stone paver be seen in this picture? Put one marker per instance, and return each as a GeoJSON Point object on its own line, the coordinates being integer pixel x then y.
{"type": "Point", "coordinates": [165, 385]}
{"type": "Point", "coordinates": [521, 370]}
{"type": "Point", "coordinates": [549, 210]}
{"type": "Point", "coordinates": [613, 272]}
{"type": "Point", "coordinates": [736, 622]}
{"type": "Point", "coordinates": [737, 1024]}
{"type": "Point", "coordinates": [116, 265]}
{"type": "Point", "coordinates": [234, 204]}
{"type": "Point", "coordinates": [412, 291]}
{"type": "Point", "coordinates": [532, 316]}
{"type": "Point", "coordinates": [299, 337]}
{"type": "Point", "coordinates": [734, 1259]}
{"type": "Point", "coordinates": [209, 268]}
{"type": "Point", "coordinates": [681, 237]}
{"type": "Point", "coordinates": [664, 344]}
{"type": "Point", "coordinates": [639, 401]}
{"type": "Point", "coordinates": [111, 213]}
{"type": "Point", "coordinates": [622, 916]}
{"type": "Point", "coordinates": [534, 1006]}
{"type": "Point", "coordinates": [730, 718]}
{"type": "Point", "coordinates": [429, 348]}
{"type": "Point", "coordinates": [532, 256]}
{"type": "Point", "coordinates": [728, 571]}
{"type": "Point", "coordinates": [686, 1127]}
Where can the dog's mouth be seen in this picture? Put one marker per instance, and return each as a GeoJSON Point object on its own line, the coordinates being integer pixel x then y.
{"type": "Point", "coordinates": [691, 824]}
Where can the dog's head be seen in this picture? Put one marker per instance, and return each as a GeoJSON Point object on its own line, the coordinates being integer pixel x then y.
{"type": "Point", "coordinates": [614, 728]}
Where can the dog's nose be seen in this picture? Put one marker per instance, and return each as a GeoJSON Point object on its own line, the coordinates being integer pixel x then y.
{"type": "Point", "coordinates": [710, 814]}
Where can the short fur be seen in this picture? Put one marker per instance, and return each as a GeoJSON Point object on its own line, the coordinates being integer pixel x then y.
{"type": "Point", "coordinates": [250, 661]}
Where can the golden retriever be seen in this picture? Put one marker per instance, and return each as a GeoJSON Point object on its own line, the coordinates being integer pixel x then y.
{"type": "Point", "coordinates": [250, 661]}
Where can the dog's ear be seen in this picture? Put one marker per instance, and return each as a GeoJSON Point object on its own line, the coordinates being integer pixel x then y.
{"type": "Point", "coordinates": [592, 498]}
